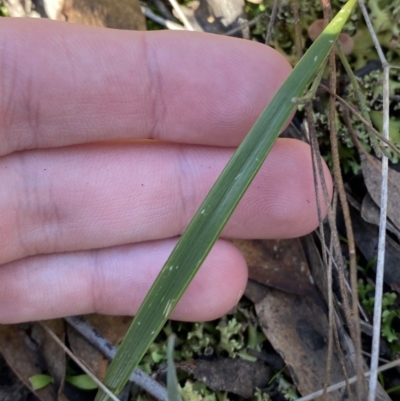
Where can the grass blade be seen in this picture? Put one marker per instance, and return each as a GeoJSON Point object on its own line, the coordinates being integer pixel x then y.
{"type": "Point", "coordinates": [172, 379]}
{"type": "Point", "coordinates": [213, 214]}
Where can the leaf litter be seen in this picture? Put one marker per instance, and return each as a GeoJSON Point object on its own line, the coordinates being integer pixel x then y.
{"type": "Point", "coordinates": [372, 172]}
{"type": "Point", "coordinates": [29, 351]}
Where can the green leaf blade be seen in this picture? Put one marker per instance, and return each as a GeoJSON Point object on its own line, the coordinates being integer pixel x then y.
{"type": "Point", "coordinates": [172, 379]}
{"type": "Point", "coordinates": [212, 216]}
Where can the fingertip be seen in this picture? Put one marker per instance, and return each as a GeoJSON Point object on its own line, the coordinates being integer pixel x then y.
{"type": "Point", "coordinates": [217, 287]}
{"type": "Point", "coordinates": [324, 185]}
{"type": "Point", "coordinates": [281, 202]}
{"type": "Point", "coordinates": [309, 215]}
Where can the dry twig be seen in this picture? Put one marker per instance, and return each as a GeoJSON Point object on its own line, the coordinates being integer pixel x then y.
{"type": "Point", "coordinates": [109, 351]}
{"type": "Point", "coordinates": [353, 379]}
{"type": "Point", "coordinates": [78, 362]}
{"type": "Point", "coordinates": [272, 22]}
{"type": "Point", "coordinates": [353, 316]}
{"type": "Point", "coordinates": [383, 213]}
{"type": "Point", "coordinates": [160, 20]}
{"type": "Point", "coordinates": [181, 15]}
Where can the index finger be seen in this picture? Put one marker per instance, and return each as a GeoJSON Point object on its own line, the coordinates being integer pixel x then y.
{"type": "Point", "coordinates": [64, 84]}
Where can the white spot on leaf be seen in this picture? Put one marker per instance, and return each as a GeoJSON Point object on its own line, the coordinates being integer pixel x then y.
{"type": "Point", "coordinates": [168, 308]}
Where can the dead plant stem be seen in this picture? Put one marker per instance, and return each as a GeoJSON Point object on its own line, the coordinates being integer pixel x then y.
{"type": "Point", "coordinates": [335, 331]}
{"type": "Point", "coordinates": [361, 118]}
{"type": "Point", "coordinates": [160, 20]}
{"type": "Point", "coordinates": [272, 22]}
{"type": "Point", "coordinates": [353, 316]}
{"type": "Point", "coordinates": [360, 97]}
{"type": "Point", "coordinates": [109, 351]}
{"type": "Point", "coordinates": [373, 382]}
{"type": "Point", "coordinates": [353, 379]}
{"type": "Point", "coordinates": [237, 29]}
{"type": "Point", "coordinates": [317, 176]}
{"type": "Point", "coordinates": [332, 327]}
{"type": "Point", "coordinates": [334, 243]}
{"type": "Point", "coordinates": [175, 5]}
{"type": "Point", "coordinates": [297, 28]}
{"type": "Point", "coordinates": [78, 362]}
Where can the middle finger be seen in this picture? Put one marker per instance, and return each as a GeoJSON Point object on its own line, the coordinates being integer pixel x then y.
{"type": "Point", "coordinates": [96, 196]}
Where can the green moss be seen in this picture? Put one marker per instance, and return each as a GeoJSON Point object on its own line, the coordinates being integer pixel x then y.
{"type": "Point", "coordinates": [230, 336]}
{"type": "Point", "coordinates": [390, 310]}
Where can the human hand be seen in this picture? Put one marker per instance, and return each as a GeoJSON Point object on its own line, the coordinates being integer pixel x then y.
{"type": "Point", "coordinates": [90, 209]}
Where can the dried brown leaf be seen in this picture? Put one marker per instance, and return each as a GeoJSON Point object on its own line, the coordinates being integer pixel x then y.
{"type": "Point", "coordinates": [234, 375]}
{"type": "Point", "coordinates": [11, 388]}
{"type": "Point", "coordinates": [372, 168]}
{"type": "Point", "coordinates": [121, 14]}
{"type": "Point", "coordinates": [366, 237]}
{"type": "Point", "coordinates": [370, 213]}
{"type": "Point", "coordinates": [255, 291]}
{"type": "Point", "coordinates": [279, 264]}
{"type": "Point", "coordinates": [298, 329]}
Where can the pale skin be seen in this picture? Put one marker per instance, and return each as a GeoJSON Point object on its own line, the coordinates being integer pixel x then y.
{"type": "Point", "coordinates": [89, 208]}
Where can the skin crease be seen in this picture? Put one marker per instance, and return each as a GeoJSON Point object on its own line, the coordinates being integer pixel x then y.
{"type": "Point", "coordinates": [90, 208]}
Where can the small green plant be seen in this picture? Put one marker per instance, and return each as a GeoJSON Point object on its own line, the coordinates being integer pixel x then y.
{"type": "Point", "coordinates": [84, 382]}
{"type": "Point", "coordinates": [193, 392]}
{"type": "Point", "coordinates": [40, 381]}
{"type": "Point", "coordinates": [287, 389]}
{"type": "Point", "coordinates": [260, 396]}
{"type": "Point", "coordinates": [230, 336]}
{"type": "Point", "coordinates": [388, 316]}
{"type": "Point", "coordinates": [390, 312]}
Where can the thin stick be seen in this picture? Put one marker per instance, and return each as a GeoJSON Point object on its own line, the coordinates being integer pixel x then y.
{"type": "Point", "coordinates": [163, 10]}
{"type": "Point", "coordinates": [297, 29]}
{"type": "Point", "coordinates": [318, 172]}
{"type": "Point", "coordinates": [330, 314]}
{"type": "Point", "coordinates": [108, 350]}
{"type": "Point", "coordinates": [244, 27]}
{"type": "Point", "coordinates": [78, 362]}
{"type": "Point", "coordinates": [353, 316]}
{"type": "Point", "coordinates": [373, 382]}
{"type": "Point", "coordinates": [160, 20]}
{"type": "Point", "coordinates": [317, 178]}
{"type": "Point", "coordinates": [338, 332]}
{"type": "Point", "coordinates": [361, 118]}
{"type": "Point", "coordinates": [237, 29]}
{"type": "Point", "coordinates": [272, 22]}
{"type": "Point", "coordinates": [360, 97]}
{"type": "Point", "coordinates": [316, 155]}
{"type": "Point", "coordinates": [352, 380]}
{"type": "Point", "coordinates": [381, 253]}
{"type": "Point", "coordinates": [330, 254]}
{"type": "Point", "coordinates": [181, 15]}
